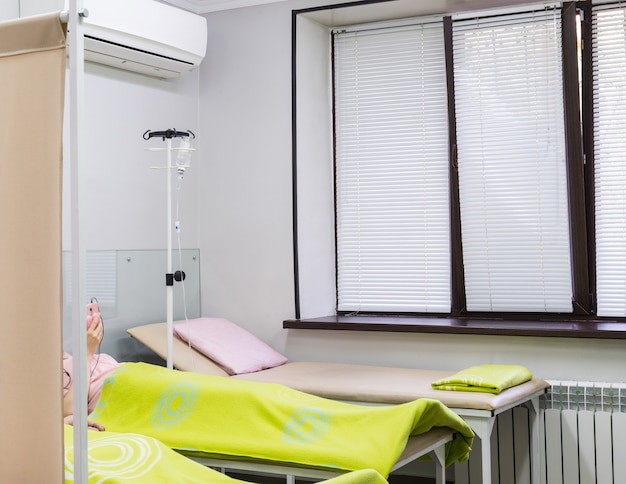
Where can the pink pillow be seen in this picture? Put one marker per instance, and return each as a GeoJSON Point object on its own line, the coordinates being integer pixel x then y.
{"type": "Point", "coordinates": [230, 346]}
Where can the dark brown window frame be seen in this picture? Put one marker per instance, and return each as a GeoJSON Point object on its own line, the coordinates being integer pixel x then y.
{"type": "Point", "coordinates": [582, 322]}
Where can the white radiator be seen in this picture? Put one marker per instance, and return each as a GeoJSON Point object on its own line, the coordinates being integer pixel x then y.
{"type": "Point", "coordinates": [582, 439]}
{"type": "Point", "coordinates": [584, 427]}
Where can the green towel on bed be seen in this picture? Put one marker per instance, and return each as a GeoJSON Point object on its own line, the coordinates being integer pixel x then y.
{"type": "Point", "coordinates": [484, 378]}
{"type": "Point", "coordinates": [226, 417]}
{"type": "Point", "coordinates": [117, 458]}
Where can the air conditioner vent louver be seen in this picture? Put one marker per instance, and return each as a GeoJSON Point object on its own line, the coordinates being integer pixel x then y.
{"type": "Point", "coordinates": [141, 52]}
{"type": "Point", "coordinates": [144, 36]}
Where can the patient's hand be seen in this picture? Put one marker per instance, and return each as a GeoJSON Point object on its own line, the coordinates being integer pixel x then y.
{"type": "Point", "coordinates": [91, 425]}
{"type": "Point", "coordinates": [94, 334]}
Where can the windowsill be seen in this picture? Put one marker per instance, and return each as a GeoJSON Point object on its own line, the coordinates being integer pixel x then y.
{"type": "Point", "coordinates": [480, 326]}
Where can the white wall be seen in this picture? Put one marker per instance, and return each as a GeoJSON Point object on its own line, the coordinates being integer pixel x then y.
{"type": "Point", "coordinates": [236, 201]}
{"type": "Point", "coordinates": [125, 203]}
{"type": "Point", "coordinates": [126, 200]}
{"type": "Point", "coordinates": [245, 204]}
{"type": "Point", "coordinates": [36, 7]}
{"type": "Point", "coordinates": [12, 9]}
{"type": "Point", "coordinates": [9, 9]}
{"type": "Point", "coordinates": [245, 225]}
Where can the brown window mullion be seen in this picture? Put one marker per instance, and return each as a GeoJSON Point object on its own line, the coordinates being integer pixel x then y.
{"type": "Point", "coordinates": [575, 163]}
{"type": "Point", "coordinates": [457, 276]}
{"type": "Point", "coordinates": [588, 143]}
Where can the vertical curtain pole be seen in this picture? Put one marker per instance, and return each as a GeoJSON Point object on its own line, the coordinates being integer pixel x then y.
{"type": "Point", "coordinates": [79, 333]}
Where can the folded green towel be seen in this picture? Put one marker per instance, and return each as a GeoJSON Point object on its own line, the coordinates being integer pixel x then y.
{"type": "Point", "coordinates": [484, 378]}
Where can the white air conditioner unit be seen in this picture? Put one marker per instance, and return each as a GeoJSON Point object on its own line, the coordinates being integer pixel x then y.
{"type": "Point", "coordinates": [144, 36]}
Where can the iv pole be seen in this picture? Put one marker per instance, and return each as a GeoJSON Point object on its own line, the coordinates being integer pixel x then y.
{"type": "Point", "coordinates": [167, 136]}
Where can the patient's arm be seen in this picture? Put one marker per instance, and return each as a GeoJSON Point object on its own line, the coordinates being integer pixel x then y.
{"type": "Point", "coordinates": [94, 337]}
{"type": "Point", "coordinates": [91, 425]}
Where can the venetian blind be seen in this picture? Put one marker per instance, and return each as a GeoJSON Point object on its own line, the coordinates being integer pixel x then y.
{"type": "Point", "coordinates": [512, 166]}
{"type": "Point", "coordinates": [609, 69]}
{"type": "Point", "coordinates": [391, 138]}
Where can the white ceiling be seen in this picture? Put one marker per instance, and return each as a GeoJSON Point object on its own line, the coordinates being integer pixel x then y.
{"type": "Point", "coordinates": [417, 7]}
{"type": "Point", "coordinates": [206, 6]}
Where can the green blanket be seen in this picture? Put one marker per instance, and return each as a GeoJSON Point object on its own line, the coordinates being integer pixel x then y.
{"type": "Point", "coordinates": [484, 378]}
{"type": "Point", "coordinates": [364, 476]}
{"type": "Point", "coordinates": [116, 458]}
{"type": "Point", "coordinates": [227, 417]}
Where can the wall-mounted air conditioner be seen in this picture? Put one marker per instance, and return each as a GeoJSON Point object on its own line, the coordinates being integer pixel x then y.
{"type": "Point", "coordinates": [144, 36]}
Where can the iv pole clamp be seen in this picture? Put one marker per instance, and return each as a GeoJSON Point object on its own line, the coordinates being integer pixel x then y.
{"type": "Point", "coordinates": [170, 276]}
{"type": "Point", "coordinates": [177, 276]}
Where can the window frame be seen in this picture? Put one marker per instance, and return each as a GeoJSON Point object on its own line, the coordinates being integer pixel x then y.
{"type": "Point", "coordinates": [582, 322]}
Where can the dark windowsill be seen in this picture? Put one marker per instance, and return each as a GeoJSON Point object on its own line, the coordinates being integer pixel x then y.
{"type": "Point", "coordinates": [482, 326]}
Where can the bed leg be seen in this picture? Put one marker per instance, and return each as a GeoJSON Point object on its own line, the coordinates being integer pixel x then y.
{"type": "Point", "coordinates": [290, 479]}
{"type": "Point", "coordinates": [440, 465]}
{"type": "Point", "coordinates": [482, 427]}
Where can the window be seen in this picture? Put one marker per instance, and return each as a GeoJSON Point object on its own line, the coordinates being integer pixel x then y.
{"type": "Point", "coordinates": [609, 68]}
{"type": "Point", "coordinates": [391, 135]}
{"type": "Point", "coordinates": [391, 132]}
{"type": "Point", "coordinates": [512, 165]}
{"type": "Point", "coordinates": [459, 180]}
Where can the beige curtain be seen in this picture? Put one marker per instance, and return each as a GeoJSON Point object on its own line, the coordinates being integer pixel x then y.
{"type": "Point", "coordinates": [32, 76]}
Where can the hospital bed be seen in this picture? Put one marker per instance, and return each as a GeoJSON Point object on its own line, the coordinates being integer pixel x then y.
{"type": "Point", "coordinates": [247, 425]}
{"type": "Point", "coordinates": [431, 443]}
{"type": "Point", "coordinates": [373, 385]}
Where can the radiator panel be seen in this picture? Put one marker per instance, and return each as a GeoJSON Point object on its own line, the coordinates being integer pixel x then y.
{"type": "Point", "coordinates": [586, 447]}
{"type": "Point", "coordinates": [604, 447]}
{"type": "Point", "coordinates": [619, 447]}
{"type": "Point", "coordinates": [569, 438]}
{"type": "Point", "coordinates": [552, 425]}
{"type": "Point", "coordinates": [582, 436]}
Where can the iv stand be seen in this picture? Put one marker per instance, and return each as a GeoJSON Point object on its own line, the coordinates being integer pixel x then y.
{"type": "Point", "coordinates": [169, 275]}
